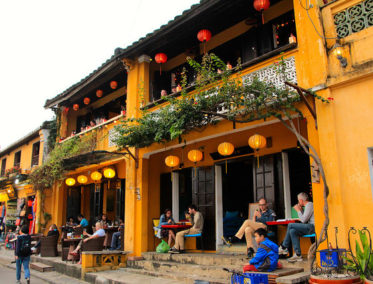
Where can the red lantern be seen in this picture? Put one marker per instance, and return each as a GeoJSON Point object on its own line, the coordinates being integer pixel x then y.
{"type": "Point", "coordinates": [99, 93]}
{"type": "Point", "coordinates": [204, 36]}
{"type": "Point", "coordinates": [29, 203]}
{"type": "Point", "coordinates": [75, 107]}
{"type": "Point", "coordinates": [113, 85]}
{"type": "Point", "coordinates": [261, 5]}
{"type": "Point", "coordinates": [66, 110]}
{"type": "Point", "coordinates": [87, 101]}
{"type": "Point", "coordinates": [160, 58]}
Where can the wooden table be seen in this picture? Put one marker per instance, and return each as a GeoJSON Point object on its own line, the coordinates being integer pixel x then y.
{"type": "Point", "coordinates": [177, 226]}
{"type": "Point", "coordinates": [68, 245]}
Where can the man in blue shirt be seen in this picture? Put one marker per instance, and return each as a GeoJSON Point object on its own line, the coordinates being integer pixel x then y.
{"type": "Point", "coordinates": [260, 218]}
{"type": "Point", "coordinates": [83, 221]}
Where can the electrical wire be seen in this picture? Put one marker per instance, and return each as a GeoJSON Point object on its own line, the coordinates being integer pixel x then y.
{"type": "Point", "coordinates": [307, 8]}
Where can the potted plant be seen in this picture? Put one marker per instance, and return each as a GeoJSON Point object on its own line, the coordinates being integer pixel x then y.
{"type": "Point", "coordinates": [361, 262]}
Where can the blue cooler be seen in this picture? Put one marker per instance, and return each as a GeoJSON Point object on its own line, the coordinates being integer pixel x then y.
{"type": "Point", "coordinates": [331, 257]}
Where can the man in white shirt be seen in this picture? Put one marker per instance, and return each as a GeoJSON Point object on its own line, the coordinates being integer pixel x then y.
{"type": "Point", "coordinates": [100, 232]}
{"type": "Point", "coordinates": [296, 230]}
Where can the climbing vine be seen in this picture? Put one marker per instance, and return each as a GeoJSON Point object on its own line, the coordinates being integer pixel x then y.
{"type": "Point", "coordinates": [221, 95]}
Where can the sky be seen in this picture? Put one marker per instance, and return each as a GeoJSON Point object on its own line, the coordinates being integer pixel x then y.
{"type": "Point", "coordinates": [47, 45]}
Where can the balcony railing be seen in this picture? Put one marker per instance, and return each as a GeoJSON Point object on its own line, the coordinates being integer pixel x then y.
{"type": "Point", "coordinates": [110, 122]}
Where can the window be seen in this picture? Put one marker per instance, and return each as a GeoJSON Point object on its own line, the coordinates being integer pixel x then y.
{"type": "Point", "coordinates": [3, 165]}
{"type": "Point", "coordinates": [17, 159]}
{"type": "Point", "coordinates": [35, 154]}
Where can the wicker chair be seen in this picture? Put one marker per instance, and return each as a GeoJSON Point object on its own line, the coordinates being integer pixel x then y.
{"type": "Point", "coordinates": [48, 246]}
{"type": "Point", "coordinates": [78, 231]}
{"type": "Point", "coordinates": [96, 244]}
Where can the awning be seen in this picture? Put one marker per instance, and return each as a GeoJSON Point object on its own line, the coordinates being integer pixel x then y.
{"type": "Point", "coordinates": [94, 157]}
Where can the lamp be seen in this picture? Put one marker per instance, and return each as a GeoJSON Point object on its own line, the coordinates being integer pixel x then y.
{"type": "Point", "coordinates": [195, 156]}
{"type": "Point", "coordinates": [257, 142]}
{"type": "Point", "coordinates": [337, 50]}
{"type": "Point", "coordinates": [109, 173]}
{"type": "Point", "coordinates": [82, 179]}
{"type": "Point", "coordinates": [226, 149]}
{"type": "Point", "coordinates": [70, 181]}
{"type": "Point", "coordinates": [96, 176]}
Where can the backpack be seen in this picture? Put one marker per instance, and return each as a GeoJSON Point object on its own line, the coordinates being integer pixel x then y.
{"type": "Point", "coordinates": [24, 246]}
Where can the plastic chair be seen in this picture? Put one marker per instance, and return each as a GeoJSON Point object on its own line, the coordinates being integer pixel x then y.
{"type": "Point", "coordinates": [155, 224]}
{"type": "Point", "coordinates": [196, 236]}
{"type": "Point", "coordinates": [311, 236]}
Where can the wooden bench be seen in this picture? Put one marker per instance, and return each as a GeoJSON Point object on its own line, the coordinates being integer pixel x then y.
{"type": "Point", "coordinates": [93, 261]}
{"type": "Point", "coordinates": [272, 276]}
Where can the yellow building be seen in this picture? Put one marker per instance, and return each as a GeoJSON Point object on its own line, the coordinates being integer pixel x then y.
{"type": "Point", "coordinates": [146, 186]}
{"type": "Point", "coordinates": [17, 161]}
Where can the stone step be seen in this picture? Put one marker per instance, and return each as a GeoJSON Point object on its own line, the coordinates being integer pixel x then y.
{"type": "Point", "coordinates": [179, 276]}
{"type": "Point", "coordinates": [41, 267]}
{"type": "Point", "coordinates": [198, 258]}
{"type": "Point", "coordinates": [191, 270]}
{"type": "Point", "coordinates": [302, 277]}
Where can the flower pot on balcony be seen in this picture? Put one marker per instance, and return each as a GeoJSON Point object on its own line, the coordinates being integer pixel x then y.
{"type": "Point", "coordinates": [327, 279]}
{"type": "Point", "coordinates": [367, 281]}
{"type": "Point", "coordinates": [12, 175]}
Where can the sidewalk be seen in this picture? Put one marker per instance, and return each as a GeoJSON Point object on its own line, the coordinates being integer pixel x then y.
{"type": "Point", "coordinates": [119, 276]}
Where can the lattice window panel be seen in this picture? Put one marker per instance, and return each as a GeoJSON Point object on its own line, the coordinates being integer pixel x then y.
{"type": "Point", "coordinates": [112, 135]}
{"type": "Point", "coordinates": [270, 74]}
{"type": "Point", "coordinates": [354, 19]}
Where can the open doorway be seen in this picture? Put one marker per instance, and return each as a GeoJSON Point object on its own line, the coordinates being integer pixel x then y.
{"type": "Point", "coordinates": [237, 182]}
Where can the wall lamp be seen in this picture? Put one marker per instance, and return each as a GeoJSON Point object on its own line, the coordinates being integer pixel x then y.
{"type": "Point", "coordinates": [337, 50]}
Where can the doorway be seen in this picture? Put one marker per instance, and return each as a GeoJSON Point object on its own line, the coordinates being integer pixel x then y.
{"type": "Point", "coordinates": [73, 202]}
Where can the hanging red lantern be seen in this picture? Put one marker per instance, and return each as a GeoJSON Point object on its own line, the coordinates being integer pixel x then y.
{"type": "Point", "coordinates": [160, 58]}
{"type": "Point", "coordinates": [66, 110]}
{"type": "Point", "coordinates": [29, 203]}
{"type": "Point", "coordinates": [99, 93]}
{"type": "Point", "coordinates": [87, 101]}
{"type": "Point", "coordinates": [204, 36]}
{"type": "Point", "coordinates": [260, 6]}
{"type": "Point", "coordinates": [113, 85]}
{"type": "Point", "coordinates": [75, 107]}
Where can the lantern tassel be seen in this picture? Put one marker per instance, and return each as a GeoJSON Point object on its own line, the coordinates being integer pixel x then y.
{"type": "Point", "coordinates": [160, 69]}
{"type": "Point", "coordinates": [226, 167]}
{"type": "Point", "coordinates": [262, 17]}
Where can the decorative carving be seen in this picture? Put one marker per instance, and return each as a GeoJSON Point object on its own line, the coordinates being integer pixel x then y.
{"type": "Point", "coordinates": [128, 64]}
{"type": "Point", "coordinates": [112, 135]}
{"type": "Point", "coordinates": [354, 19]}
{"type": "Point", "coordinates": [270, 74]}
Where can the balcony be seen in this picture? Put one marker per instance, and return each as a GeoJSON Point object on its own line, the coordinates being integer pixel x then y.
{"type": "Point", "coordinates": [35, 160]}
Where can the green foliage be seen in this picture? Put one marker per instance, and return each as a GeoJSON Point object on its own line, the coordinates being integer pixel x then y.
{"type": "Point", "coordinates": [362, 263]}
{"type": "Point", "coordinates": [52, 170]}
{"type": "Point", "coordinates": [53, 133]}
{"type": "Point", "coordinates": [217, 94]}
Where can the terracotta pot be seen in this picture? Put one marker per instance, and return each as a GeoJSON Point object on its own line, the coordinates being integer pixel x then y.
{"type": "Point", "coordinates": [346, 280]}
{"type": "Point", "coordinates": [368, 281]}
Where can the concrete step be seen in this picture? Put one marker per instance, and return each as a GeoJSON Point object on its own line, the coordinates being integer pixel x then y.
{"type": "Point", "coordinates": [41, 267]}
{"type": "Point", "coordinates": [198, 258]}
{"type": "Point", "coordinates": [179, 276]}
{"type": "Point", "coordinates": [189, 270]}
{"type": "Point", "coordinates": [302, 277]}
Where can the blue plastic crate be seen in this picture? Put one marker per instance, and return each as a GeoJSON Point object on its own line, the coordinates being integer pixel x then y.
{"type": "Point", "coordinates": [331, 257]}
{"type": "Point", "coordinates": [249, 278]}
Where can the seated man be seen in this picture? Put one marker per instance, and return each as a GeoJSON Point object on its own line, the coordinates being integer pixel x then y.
{"type": "Point", "coordinates": [266, 257]}
{"type": "Point", "coordinates": [197, 222]}
{"type": "Point", "coordinates": [83, 222]}
{"type": "Point", "coordinates": [116, 239]}
{"type": "Point", "coordinates": [296, 230]}
{"type": "Point", "coordinates": [53, 231]}
{"type": "Point", "coordinates": [100, 232]}
{"type": "Point", "coordinates": [261, 216]}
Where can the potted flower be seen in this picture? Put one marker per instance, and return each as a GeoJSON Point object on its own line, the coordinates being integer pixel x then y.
{"type": "Point", "coordinates": [362, 261]}
{"type": "Point", "coordinates": [12, 172]}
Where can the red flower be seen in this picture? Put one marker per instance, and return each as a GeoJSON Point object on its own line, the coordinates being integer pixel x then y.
{"type": "Point", "coordinates": [330, 99]}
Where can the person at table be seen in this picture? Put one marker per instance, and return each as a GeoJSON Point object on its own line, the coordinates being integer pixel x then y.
{"type": "Point", "coordinates": [196, 218]}
{"type": "Point", "coordinates": [53, 231]}
{"type": "Point", "coordinates": [261, 216]}
{"type": "Point", "coordinates": [83, 222]}
{"type": "Point", "coordinates": [70, 222]}
{"type": "Point", "coordinates": [296, 230]}
{"type": "Point", "coordinates": [105, 221]}
{"type": "Point", "coordinates": [166, 219]}
{"type": "Point", "coordinates": [116, 239]}
{"type": "Point", "coordinates": [100, 232]}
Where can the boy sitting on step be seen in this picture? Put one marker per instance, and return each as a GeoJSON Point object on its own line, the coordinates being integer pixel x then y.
{"type": "Point", "coordinates": [266, 257]}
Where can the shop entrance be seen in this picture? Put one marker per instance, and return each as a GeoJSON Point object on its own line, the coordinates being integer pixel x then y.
{"type": "Point", "coordinates": [73, 202]}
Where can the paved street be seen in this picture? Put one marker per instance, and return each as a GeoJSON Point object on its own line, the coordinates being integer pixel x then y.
{"type": "Point", "coordinates": [8, 276]}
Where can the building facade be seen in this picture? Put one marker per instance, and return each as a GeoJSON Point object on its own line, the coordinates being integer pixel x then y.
{"type": "Point", "coordinates": [143, 186]}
